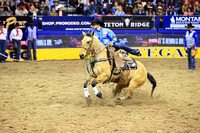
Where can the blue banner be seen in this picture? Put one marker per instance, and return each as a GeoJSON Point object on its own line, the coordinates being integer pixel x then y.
{"type": "Point", "coordinates": [180, 22]}
{"type": "Point", "coordinates": [128, 22]}
{"type": "Point", "coordinates": [65, 23]}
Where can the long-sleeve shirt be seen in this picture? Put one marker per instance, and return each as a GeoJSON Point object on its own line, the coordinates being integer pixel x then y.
{"type": "Point", "coordinates": [4, 13]}
{"type": "Point", "coordinates": [120, 13]}
{"type": "Point", "coordinates": [23, 12]}
{"type": "Point", "coordinates": [31, 28]}
{"type": "Point", "coordinates": [105, 35]}
{"type": "Point", "coordinates": [16, 35]}
{"type": "Point", "coordinates": [189, 43]}
{"type": "Point", "coordinates": [3, 34]}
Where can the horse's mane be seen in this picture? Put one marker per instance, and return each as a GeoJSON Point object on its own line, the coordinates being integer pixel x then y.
{"type": "Point", "coordinates": [96, 39]}
{"type": "Point", "coordinates": [89, 34]}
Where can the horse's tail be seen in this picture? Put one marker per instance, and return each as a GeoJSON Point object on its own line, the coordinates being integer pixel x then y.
{"type": "Point", "coordinates": [153, 82]}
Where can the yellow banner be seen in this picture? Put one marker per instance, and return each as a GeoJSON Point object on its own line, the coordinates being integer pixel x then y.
{"type": "Point", "coordinates": [164, 52]}
{"type": "Point", "coordinates": [73, 53]}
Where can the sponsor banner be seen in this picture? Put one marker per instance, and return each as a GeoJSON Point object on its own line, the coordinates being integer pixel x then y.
{"type": "Point", "coordinates": [74, 41]}
{"type": "Point", "coordinates": [64, 23]}
{"type": "Point", "coordinates": [9, 22]}
{"type": "Point", "coordinates": [162, 52]}
{"type": "Point", "coordinates": [128, 22]}
{"type": "Point", "coordinates": [11, 54]}
{"type": "Point", "coordinates": [171, 40]}
{"type": "Point", "coordinates": [73, 53]}
{"type": "Point", "coordinates": [47, 54]}
{"type": "Point", "coordinates": [179, 22]}
{"type": "Point", "coordinates": [59, 41]}
{"type": "Point", "coordinates": [132, 40]}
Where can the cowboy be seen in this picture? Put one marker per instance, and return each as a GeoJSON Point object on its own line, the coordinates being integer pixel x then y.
{"type": "Point", "coordinates": [3, 37]}
{"type": "Point", "coordinates": [191, 42]}
{"type": "Point", "coordinates": [31, 35]}
{"type": "Point", "coordinates": [107, 36]}
{"type": "Point", "coordinates": [16, 37]}
{"type": "Point", "coordinates": [3, 12]}
{"type": "Point", "coordinates": [55, 4]}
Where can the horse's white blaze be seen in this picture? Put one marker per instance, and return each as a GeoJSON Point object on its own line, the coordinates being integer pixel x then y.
{"type": "Point", "coordinates": [86, 92]}
{"type": "Point", "coordinates": [95, 90]}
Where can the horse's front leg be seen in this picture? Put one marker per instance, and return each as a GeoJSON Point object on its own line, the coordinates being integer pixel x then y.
{"type": "Point", "coordinates": [87, 95]}
{"type": "Point", "coordinates": [100, 79]}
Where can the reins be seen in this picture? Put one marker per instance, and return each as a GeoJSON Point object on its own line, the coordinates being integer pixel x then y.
{"type": "Point", "coordinates": [92, 63]}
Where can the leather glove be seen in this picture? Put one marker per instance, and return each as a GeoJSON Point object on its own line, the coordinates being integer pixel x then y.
{"type": "Point", "coordinates": [137, 53]}
{"type": "Point", "coordinates": [110, 44]}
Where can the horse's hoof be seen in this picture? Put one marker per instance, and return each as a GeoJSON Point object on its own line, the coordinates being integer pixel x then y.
{"type": "Point", "coordinates": [112, 104]}
{"type": "Point", "coordinates": [99, 95]}
{"type": "Point", "coordinates": [88, 100]}
{"type": "Point", "coordinates": [119, 99]}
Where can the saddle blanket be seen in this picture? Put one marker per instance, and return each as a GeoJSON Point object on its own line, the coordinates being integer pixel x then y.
{"type": "Point", "coordinates": [131, 66]}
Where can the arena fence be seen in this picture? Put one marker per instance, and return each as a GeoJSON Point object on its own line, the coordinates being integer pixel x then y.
{"type": "Point", "coordinates": [155, 36]}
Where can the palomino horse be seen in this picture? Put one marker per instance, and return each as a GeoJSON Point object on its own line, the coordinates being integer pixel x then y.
{"type": "Point", "coordinates": [100, 70]}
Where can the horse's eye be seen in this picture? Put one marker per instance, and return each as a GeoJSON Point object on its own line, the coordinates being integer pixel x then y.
{"type": "Point", "coordinates": [88, 42]}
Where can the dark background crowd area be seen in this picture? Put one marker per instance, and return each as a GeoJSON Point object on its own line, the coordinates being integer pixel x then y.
{"type": "Point", "coordinates": [98, 7]}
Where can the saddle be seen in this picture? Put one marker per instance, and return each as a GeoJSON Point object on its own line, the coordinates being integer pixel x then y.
{"type": "Point", "coordinates": [124, 62]}
{"type": "Point", "coordinates": [121, 61]}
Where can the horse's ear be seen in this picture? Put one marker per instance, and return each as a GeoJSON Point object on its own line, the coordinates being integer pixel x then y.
{"type": "Point", "coordinates": [84, 34]}
{"type": "Point", "coordinates": [92, 34]}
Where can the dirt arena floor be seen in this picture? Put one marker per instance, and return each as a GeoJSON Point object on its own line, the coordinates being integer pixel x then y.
{"type": "Point", "coordinates": [48, 97]}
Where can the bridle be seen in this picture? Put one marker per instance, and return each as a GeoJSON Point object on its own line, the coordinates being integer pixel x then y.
{"type": "Point", "coordinates": [87, 49]}
{"type": "Point", "coordinates": [95, 52]}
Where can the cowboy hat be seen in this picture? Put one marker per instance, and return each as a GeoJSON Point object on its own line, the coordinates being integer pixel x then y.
{"type": "Point", "coordinates": [55, 1]}
{"type": "Point", "coordinates": [92, 1]}
{"type": "Point", "coordinates": [60, 6]}
{"type": "Point", "coordinates": [159, 1]}
{"type": "Point", "coordinates": [189, 25]}
{"type": "Point", "coordinates": [98, 21]}
{"type": "Point", "coordinates": [16, 24]}
{"type": "Point", "coordinates": [160, 7]}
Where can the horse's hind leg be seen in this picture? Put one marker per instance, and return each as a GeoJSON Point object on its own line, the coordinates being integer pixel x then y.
{"type": "Point", "coordinates": [132, 86]}
{"type": "Point", "coordinates": [117, 89]}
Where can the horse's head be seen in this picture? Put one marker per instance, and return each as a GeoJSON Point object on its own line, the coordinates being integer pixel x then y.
{"type": "Point", "coordinates": [87, 47]}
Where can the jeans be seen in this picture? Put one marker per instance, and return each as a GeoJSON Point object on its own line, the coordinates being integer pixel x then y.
{"type": "Point", "coordinates": [2, 50]}
{"type": "Point", "coordinates": [17, 48]}
{"type": "Point", "coordinates": [118, 46]}
{"type": "Point", "coordinates": [191, 59]}
{"type": "Point", "coordinates": [31, 45]}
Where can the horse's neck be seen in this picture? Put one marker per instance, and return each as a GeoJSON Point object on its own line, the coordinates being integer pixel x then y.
{"type": "Point", "coordinates": [100, 49]}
